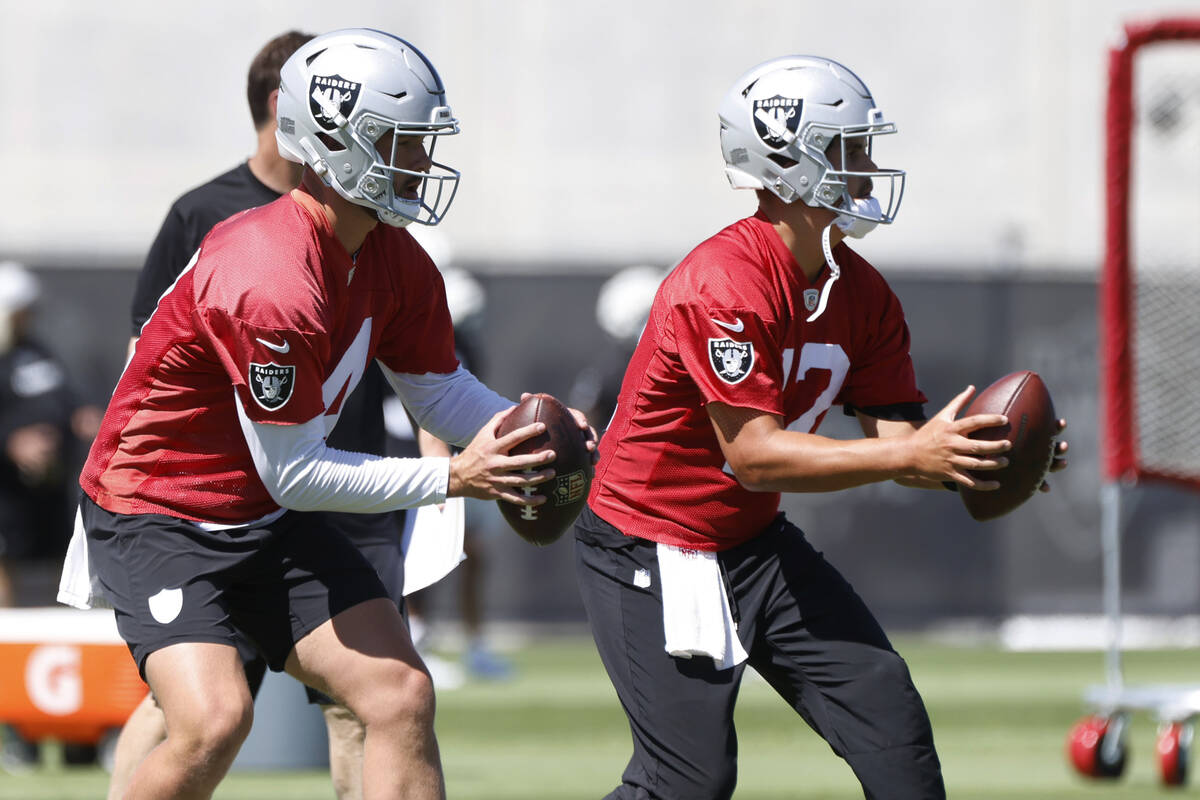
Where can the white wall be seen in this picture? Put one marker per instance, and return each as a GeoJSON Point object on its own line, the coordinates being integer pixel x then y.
{"type": "Point", "coordinates": [589, 128]}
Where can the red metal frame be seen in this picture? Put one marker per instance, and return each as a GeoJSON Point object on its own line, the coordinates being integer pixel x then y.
{"type": "Point", "coordinates": [1121, 459]}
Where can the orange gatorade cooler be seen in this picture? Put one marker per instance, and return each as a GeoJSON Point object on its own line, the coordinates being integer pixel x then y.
{"type": "Point", "coordinates": [65, 675]}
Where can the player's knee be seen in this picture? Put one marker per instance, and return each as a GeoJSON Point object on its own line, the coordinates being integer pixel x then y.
{"type": "Point", "coordinates": [889, 670]}
{"type": "Point", "coordinates": [221, 727]}
{"type": "Point", "coordinates": [417, 701]}
{"type": "Point", "coordinates": [718, 782]}
{"type": "Point", "coordinates": [408, 701]}
{"type": "Point", "coordinates": [230, 723]}
{"type": "Point", "coordinates": [901, 718]}
{"type": "Point", "coordinates": [706, 774]}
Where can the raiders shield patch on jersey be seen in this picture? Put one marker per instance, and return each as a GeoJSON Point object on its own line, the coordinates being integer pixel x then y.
{"type": "Point", "coordinates": [730, 360]}
{"type": "Point", "coordinates": [776, 119]}
{"type": "Point", "coordinates": [338, 96]}
{"type": "Point", "coordinates": [271, 384]}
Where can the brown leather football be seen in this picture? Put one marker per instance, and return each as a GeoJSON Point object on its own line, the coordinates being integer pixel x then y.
{"type": "Point", "coordinates": [1032, 427]}
{"type": "Point", "coordinates": [567, 491]}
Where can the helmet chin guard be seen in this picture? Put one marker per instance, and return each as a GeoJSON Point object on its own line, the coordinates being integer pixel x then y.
{"type": "Point", "coordinates": [340, 94]}
{"type": "Point", "coordinates": [778, 121]}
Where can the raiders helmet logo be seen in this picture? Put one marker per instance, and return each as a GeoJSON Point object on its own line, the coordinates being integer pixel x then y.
{"type": "Point", "coordinates": [337, 96]}
{"type": "Point", "coordinates": [776, 119]}
{"type": "Point", "coordinates": [730, 360]}
{"type": "Point", "coordinates": [271, 384]}
{"type": "Point", "coordinates": [811, 297]}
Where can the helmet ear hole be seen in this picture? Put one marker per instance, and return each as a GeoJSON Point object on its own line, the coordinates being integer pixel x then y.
{"type": "Point", "coordinates": [331, 144]}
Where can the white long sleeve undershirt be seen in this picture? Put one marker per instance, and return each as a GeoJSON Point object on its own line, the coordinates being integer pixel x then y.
{"type": "Point", "coordinates": [452, 406]}
{"type": "Point", "coordinates": [302, 473]}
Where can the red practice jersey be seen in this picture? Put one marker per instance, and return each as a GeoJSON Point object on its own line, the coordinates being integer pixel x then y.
{"type": "Point", "coordinates": [729, 325]}
{"type": "Point", "coordinates": [275, 317]}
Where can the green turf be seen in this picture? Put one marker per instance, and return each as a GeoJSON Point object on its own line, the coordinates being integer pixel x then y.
{"type": "Point", "coordinates": [556, 732]}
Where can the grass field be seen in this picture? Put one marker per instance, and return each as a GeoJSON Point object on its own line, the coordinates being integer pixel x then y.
{"type": "Point", "coordinates": [555, 732]}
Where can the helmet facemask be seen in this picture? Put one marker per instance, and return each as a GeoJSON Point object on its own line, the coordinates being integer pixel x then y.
{"type": "Point", "coordinates": [833, 189]}
{"type": "Point", "coordinates": [376, 186]}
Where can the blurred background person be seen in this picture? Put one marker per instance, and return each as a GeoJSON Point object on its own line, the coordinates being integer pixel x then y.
{"type": "Point", "coordinates": [622, 307]}
{"type": "Point", "coordinates": [44, 428]}
{"type": "Point", "coordinates": [467, 301]}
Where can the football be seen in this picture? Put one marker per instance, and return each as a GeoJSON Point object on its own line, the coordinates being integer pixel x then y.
{"type": "Point", "coordinates": [1032, 428]}
{"type": "Point", "coordinates": [567, 491]}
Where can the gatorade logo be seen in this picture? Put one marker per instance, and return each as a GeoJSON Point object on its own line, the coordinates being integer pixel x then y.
{"type": "Point", "coordinates": [53, 679]}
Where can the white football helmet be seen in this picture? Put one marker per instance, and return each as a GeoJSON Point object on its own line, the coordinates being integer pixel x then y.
{"type": "Point", "coordinates": [779, 119]}
{"type": "Point", "coordinates": [623, 305]}
{"type": "Point", "coordinates": [341, 92]}
{"type": "Point", "coordinates": [19, 288]}
{"type": "Point", "coordinates": [464, 296]}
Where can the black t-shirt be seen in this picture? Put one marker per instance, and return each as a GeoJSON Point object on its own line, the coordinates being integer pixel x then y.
{"type": "Point", "coordinates": [360, 427]}
{"type": "Point", "coordinates": [190, 219]}
{"type": "Point", "coordinates": [35, 517]}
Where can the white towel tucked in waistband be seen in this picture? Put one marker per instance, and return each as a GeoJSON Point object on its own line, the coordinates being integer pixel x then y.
{"type": "Point", "coordinates": [77, 587]}
{"type": "Point", "coordinates": [696, 617]}
{"type": "Point", "coordinates": [432, 543]}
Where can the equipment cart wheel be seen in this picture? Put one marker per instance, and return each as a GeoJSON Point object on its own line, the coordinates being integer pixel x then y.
{"type": "Point", "coordinates": [1097, 746]}
{"type": "Point", "coordinates": [1174, 741]}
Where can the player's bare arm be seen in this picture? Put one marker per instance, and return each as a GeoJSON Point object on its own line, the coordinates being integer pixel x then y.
{"type": "Point", "coordinates": [767, 457]}
{"type": "Point", "coordinates": [874, 427]}
{"type": "Point", "coordinates": [485, 469]}
{"type": "Point", "coordinates": [430, 445]}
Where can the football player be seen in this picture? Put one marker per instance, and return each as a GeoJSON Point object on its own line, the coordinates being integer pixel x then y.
{"type": "Point", "coordinates": [687, 571]}
{"type": "Point", "coordinates": [200, 487]}
{"type": "Point", "coordinates": [260, 180]}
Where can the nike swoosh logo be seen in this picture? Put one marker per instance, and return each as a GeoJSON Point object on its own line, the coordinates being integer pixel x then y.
{"type": "Point", "coordinates": [278, 348]}
{"type": "Point", "coordinates": [737, 326]}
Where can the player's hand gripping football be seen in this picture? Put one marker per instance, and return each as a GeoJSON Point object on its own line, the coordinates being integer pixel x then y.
{"type": "Point", "coordinates": [1059, 462]}
{"type": "Point", "coordinates": [485, 469]}
{"type": "Point", "coordinates": [588, 431]}
{"type": "Point", "coordinates": [942, 450]}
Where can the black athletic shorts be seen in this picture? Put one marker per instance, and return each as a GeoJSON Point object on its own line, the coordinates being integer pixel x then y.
{"type": "Point", "coordinates": [171, 581]}
{"type": "Point", "coordinates": [377, 537]}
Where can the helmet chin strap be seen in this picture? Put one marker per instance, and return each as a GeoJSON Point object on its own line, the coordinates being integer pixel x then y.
{"type": "Point", "coordinates": [835, 272]}
{"type": "Point", "coordinates": [868, 215]}
{"type": "Point", "coordinates": [395, 218]}
{"type": "Point", "coordinates": [391, 218]}
{"type": "Point", "coordinates": [850, 226]}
